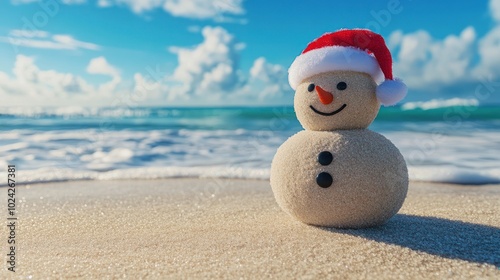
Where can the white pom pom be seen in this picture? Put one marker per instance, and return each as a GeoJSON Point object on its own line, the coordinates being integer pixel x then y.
{"type": "Point", "coordinates": [391, 92]}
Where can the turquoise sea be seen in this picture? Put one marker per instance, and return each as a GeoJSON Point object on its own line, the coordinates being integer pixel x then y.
{"type": "Point", "coordinates": [441, 143]}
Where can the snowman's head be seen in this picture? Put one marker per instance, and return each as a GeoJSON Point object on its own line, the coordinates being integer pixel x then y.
{"type": "Point", "coordinates": [341, 78]}
{"type": "Point", "coordinates": [336, 100]}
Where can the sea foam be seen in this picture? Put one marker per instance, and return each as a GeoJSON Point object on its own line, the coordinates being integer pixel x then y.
{"type": "Point", "coordinates": [75, 143]}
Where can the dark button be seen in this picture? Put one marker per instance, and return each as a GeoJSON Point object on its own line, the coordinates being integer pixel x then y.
{"type": "Point", "coordinates": [325, 158]}
{"type": "Point", "coordinates": [324, 179]}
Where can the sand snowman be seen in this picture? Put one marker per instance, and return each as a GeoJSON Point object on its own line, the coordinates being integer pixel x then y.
{"type": "Point", "coordinates": [336, 172]}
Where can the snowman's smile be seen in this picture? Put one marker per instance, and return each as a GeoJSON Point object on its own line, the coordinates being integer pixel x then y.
{"type": "Point", "coordinates": [328, 114]}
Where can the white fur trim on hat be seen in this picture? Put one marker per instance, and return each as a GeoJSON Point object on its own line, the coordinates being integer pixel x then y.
{"type": "Point", "coordinates": [333, 58]}
{"type": "Point", "coordinates": [391, 92]}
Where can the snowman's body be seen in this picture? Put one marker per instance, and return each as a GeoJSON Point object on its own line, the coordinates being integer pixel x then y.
{"type": "Point", "coordinates": [344, 178]}
{"type": "Point", "coordinates": [337, 172]}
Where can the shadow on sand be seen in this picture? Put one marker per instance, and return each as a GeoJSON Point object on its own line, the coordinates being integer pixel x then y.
{"type": "Point", "coordinates": [437, 236]}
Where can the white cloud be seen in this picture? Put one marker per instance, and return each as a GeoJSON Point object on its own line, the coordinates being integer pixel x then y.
{"type": "Point", "coordinates": [146, 88]}
{"type": "Point", "coordinates": [489, 53]}
{"type": "Point", "coordinates": [450, 64]}
{"type": "Point", "coordinates": [100, 65]}
{"type": "Point", "coordinates": [210, 67]}
{"type": "Point", "coordinates": [69, 42]}
{"type": "Point", "coordinates": [451, 58]}
{"type": "Point", "coordinates": [29, 33]}
{"type": "Point", "coordinates": [395, 39]}
{"type": "Point", "coordinates": [414, 47]}
{"type": "Point", "coordinates": [265, 71]}
{"type": "Point", "coordinates": [104, 3]}
{"type": "Point", "coordinates": [218, 10]}
{"type": "Point", "coordinates": [44, 40]}
{"type": "Point", "coordinates": [207, 73]}
{"type": "Point", "coordinates": [267, 81]}
{"type": "Point", "coordinates": [425, 62]}
{"type": "Point", "coordinates": [137, 6]}
{"type": "Point", "coordinates": [430, 64]}
{"type": "Point", "coordinates": [202, 9]}
{"type": "Point", "coordinates": [211, 71]}
{"type": "Point", "coordinates": [31, 86]}
{"type": "Point", "coordinates": [495, 9]}
{"type": "Point", "coordinates": [29, 80]}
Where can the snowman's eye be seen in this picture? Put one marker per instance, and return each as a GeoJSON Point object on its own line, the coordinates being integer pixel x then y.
{"type": "Point", "coordinates": [310, 88]}
{"type": "Point", "coordinates": [341, 86]}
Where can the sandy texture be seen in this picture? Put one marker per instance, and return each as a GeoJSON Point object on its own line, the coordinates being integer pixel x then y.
{"type": "Point", "coordinates": [369, 178]}
{"type": "Point", "coordinates": [187, 228]}
{"type": "Point", "coordinates": [359, 97]}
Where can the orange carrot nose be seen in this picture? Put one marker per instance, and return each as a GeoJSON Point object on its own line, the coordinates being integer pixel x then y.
{"type": "Point", "coordinates": [324, 96]}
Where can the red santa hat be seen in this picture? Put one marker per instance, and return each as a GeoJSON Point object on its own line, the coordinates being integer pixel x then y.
{"type": "Point", "coordinates": [359, 50]}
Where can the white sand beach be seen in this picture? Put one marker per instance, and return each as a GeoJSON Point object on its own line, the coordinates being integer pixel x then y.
{"type": "Point", "coordinates": [215, 228]}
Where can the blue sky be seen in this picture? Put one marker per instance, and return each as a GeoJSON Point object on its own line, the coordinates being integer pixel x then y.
{"type": "Point", "coordinates": [230, 52]}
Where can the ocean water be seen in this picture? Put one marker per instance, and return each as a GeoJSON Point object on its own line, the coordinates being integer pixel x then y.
{"type": "Point", "coordinates": [441, 141]}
